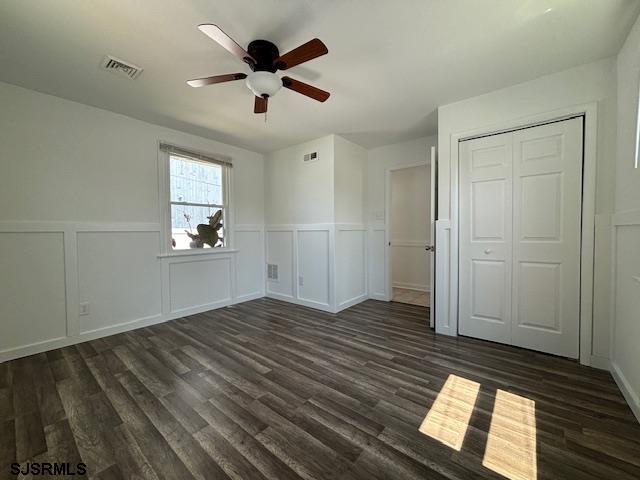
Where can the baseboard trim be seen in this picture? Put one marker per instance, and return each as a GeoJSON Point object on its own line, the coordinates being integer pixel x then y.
{"type": "Point", "coordinates": [248, 297]}
{"type": "Point", "coordinates": [181, 312]}
{"type": "Point", "coordinates": [34, 348]}
{"type": "Point", "coordinates": [350, 303]}
{"type": "Point", "coordinates": [280, 296]}
{"type": "Point", "coordinates": [108, 329]}
{"type": "Point", "coordinates": [630, 396]}
{"type": "Point", "coordinates": [378, 296]}
{"type": "Point", "coordinates": [601, 363]}
{"type": "Point", "coordinates": [46, 345]}
{"type": "Point", "coordinates": [412, 286]}
{"type": "Point", "coordinates": [325, 307]}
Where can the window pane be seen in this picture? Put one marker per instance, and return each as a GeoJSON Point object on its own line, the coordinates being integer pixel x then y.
{"type": "Point", "coordinates": [195, 182]}
{"type": "Point", "coordinates": [186, 219]}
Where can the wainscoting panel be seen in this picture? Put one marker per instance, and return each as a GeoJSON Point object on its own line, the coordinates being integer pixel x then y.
{"type": "Point", "coordinates": [118, 278]}
{"type": "Point", "coordinates": [602, 292]}
{"type": "Point", "coordinates": [305, 258]}
{"type": "Point", "coordinates": [115, 270]}
{"type": "Point", "coordinates": [197, 283]}
{"type": "Point", "coordinates": [351, 265]}
{"type": "Point", "coordinates": [280, 244]}
{"type": "Point", "coordinates": [378, 262]}
{"type": "Point", "coordinates": [250, 278]}
{"type": "Point", "coordinates": [32, 290]}
{"type": "Point", "coordinates": [313, 267]}
{"type": "Point", "coordinates": [625, 312]}
{"type": "Point", "coordinates": [443, 277]}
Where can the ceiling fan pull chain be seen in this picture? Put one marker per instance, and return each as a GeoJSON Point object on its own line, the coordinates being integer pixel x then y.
{"type": "Point", "coordinates": [265, 117]}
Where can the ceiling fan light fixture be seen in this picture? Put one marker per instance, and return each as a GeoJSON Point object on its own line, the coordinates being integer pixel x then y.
{"type": "Point", "coordinates": [263, 84]}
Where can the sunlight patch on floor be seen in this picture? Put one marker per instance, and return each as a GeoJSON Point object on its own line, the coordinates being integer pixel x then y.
{"type": "Point", "coordinates": [448, 419]}
{"type": "Point", "coordinates": [511, 444]}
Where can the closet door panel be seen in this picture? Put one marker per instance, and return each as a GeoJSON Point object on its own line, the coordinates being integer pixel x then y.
{"type": "Point", "coordinates": [485, 238]}
{"type": "Point", "coordinates": [547, 200]}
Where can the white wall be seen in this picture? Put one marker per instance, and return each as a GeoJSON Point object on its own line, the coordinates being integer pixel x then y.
{"type": "Point", "coordinates": [349, 176]}
{"type": "Point", "coordinates": [297, 192]}
{"type": "Point", "coordinates": [410, 227]}
{"type": "Point", "coordinates": [81, 223]}
{"type": "Point", "coordinates": [380, 160]}
{"type": "Point", "coordinates": [595, 82]}
{"type": "Point", "coordinates": [625, 343]}
{"type": "Point", "coordinates": [315, 230]}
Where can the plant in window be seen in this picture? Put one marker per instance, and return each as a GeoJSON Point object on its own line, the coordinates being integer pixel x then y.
{"type": "Point", "coordinates": [207, 234]}
{"type": "Point", "coordinates": [196, 241]}
{"type": "Point", "coordinates": [210, 234]}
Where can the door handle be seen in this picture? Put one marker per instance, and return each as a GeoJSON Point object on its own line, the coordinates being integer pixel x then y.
{"type": "Point", "coordinates": [487, 251]}
{"type": "Point", "coordinates": [429, 248]}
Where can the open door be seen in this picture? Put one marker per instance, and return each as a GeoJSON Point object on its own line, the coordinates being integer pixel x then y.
{"type": "Point", "coordinates": [432, 229]}
{"type": "Point", "coordinates": [408, 253]}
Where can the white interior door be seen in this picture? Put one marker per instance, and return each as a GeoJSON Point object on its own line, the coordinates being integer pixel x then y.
{"type": "Point", "coordinates": [485, 238]}
{"type": "Point", "coordinates": [520, 221]}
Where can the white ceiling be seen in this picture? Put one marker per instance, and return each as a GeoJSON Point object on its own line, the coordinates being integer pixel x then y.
{"type": "Point", "coordinates": [390, 63]}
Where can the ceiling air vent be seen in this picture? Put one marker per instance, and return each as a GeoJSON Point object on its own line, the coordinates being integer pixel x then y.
{"type": "Point", "coordinates": [311, 157]}
{"type": "Point", "coordinates": [120, 67]}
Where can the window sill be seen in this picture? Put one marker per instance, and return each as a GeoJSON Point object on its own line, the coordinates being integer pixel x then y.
{"type": "Point", "coordinates": [197, 252]}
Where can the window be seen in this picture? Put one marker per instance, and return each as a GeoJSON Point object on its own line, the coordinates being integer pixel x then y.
{"type": "Point", "coordinates": [198, 205]}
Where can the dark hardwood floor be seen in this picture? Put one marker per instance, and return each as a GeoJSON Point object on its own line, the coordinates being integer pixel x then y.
{"type": "Point", "coordinates": [267, 389]}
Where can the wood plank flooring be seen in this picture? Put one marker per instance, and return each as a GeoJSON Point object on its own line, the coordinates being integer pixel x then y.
{"type": "Point", "coordinates": [271, 390]}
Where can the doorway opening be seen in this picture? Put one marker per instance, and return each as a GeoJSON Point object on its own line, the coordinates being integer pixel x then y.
{"type": "Point", "coordinates": [410, 237]}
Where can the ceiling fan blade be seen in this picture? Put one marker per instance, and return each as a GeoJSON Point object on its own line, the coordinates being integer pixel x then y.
{"type": "Point", "coordinates": [229, 77]}
{"type": "Point", "coordinates": [260, 105]}
{"type": "Point", "coordinates": [215, 33]}
{"type": "Point", "coordinates": [305, 89]}
{"type": "Point", "coordinates": [308, 51]}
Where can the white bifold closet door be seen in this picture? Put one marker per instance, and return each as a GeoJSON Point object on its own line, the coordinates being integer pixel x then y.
{"type": "Point", "coordinates": [520, 221]}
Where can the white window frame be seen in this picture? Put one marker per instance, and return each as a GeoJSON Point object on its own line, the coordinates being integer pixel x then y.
{"type": "Point", "coordinates": [164, 190]}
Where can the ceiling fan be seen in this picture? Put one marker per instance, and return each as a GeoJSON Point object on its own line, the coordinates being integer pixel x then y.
{"type": "Point", "coordinates": [264, 59]}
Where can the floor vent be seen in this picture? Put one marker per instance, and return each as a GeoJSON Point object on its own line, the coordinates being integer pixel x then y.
{"type": "Point", "coordinates": [272, 271]}
{"type": "Point", "coordinates": [120, 67]}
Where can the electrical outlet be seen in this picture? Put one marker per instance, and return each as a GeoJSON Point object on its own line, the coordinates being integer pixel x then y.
{"type": "Point", "coordinates": [84, 308]}
{"type": "Point", "coordinates": [301, 281]}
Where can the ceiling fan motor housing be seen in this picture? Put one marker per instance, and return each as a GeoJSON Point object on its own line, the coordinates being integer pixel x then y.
{"type": "Point", "coordinates": [264, 53]}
